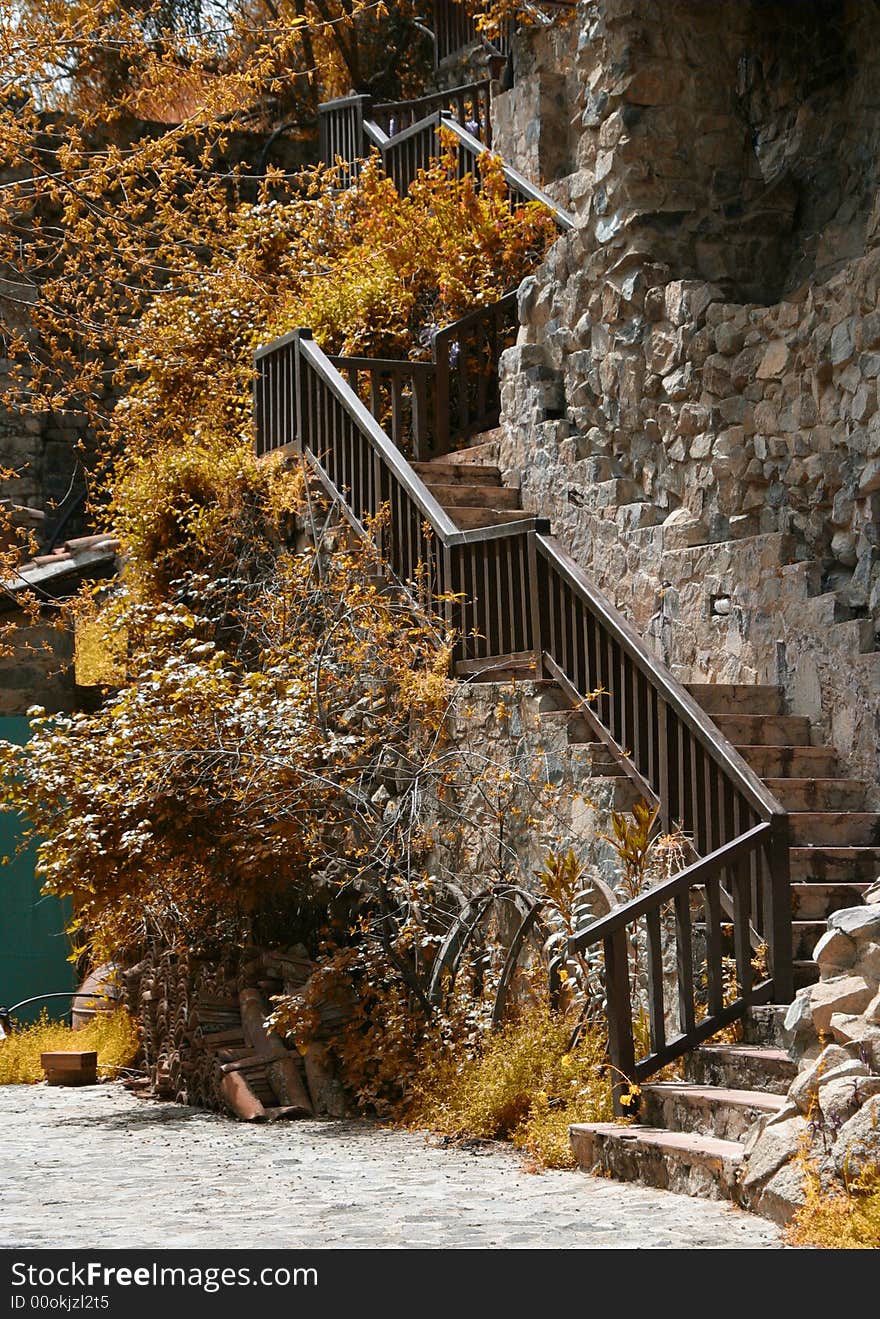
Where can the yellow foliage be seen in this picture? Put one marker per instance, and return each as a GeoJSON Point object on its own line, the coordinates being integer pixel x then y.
{"type": "Point", "coordinates": [523, 1084]}
{"type": "Point", "coordinates": [112, 1034]}
{"type": "Point", "coordinates": [845, 1219]}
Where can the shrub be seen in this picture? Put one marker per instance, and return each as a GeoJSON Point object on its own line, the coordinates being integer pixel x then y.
{"type": "Point", "coordinates": [844, 1219]}
{"type": "Point", "coordinates": [524, 1084]}
{"type": "Point", "coordinates": [112, 1034]}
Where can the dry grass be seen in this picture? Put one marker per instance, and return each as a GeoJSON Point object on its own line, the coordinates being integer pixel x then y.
{"type": "Point", "coordinates": [112, 1034]}
{"type": "Point", "coordinates": [848, 1219]}
{"type": "Point", "coordinates": [524, 1085]}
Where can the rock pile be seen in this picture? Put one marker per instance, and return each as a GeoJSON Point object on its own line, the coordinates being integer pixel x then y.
{"type": "Point", "coordinates": [832, 1114]}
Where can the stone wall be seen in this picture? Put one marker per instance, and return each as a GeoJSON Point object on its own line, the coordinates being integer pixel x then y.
{"type": "Point", "coordinates": [525, 790]}
{"type": "Point", "coordinates": [694, 395]}
{"type": "Point", "coordinates": [38, 670]}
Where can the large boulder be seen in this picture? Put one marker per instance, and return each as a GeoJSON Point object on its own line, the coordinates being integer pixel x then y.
{"type": "Point", "coordinates": [831, 1121]}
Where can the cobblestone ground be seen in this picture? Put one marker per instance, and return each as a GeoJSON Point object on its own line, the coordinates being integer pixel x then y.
{"type": "Point", "coordinates": [96, 1167]}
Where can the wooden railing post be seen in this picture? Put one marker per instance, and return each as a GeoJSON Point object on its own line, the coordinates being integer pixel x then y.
{"type": "Point", "coordinates": [300, 437]}
{"type": "Point", "coordinates": [621, 1049]}
{"type": "Point", "coordinates": [440, 354]}
{"type": "Point", "coordinates": [778, 867]}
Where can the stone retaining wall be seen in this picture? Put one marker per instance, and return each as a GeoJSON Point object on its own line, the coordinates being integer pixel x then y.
{"type": "Point", "coordinates": [693, 398]}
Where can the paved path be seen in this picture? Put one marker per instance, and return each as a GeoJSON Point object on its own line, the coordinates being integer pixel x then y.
{"type": "Point", "coordinates": [97, 1167]}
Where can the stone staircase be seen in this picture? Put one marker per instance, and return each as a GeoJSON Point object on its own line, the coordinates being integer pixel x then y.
{"type": "Point", "coordinates": [692, 1133]}
{"type": "Point", "coordinates": [835, 842]}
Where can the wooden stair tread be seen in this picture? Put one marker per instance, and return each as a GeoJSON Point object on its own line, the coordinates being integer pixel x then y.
{"type": "Point", "coordinates": [764, 729]}
{"type": "Point", "coordinates": [467, 519]}
{"type": "Point", "coordinates": [819, 828]}
{"type": "Point", "coordinates": [440, 470]}
{"type": "Point", "coordinates": [458, 493]}
{"type": "Point", "coordinates": [746, 698]}
{"type": "Point", "coordinates": [765, 1052]}
{"type": "Point", "coordinates": [784, 757]}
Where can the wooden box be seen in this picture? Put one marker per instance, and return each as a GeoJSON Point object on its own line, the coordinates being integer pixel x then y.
{"type": "Point", "coordinates": [70, 1067]}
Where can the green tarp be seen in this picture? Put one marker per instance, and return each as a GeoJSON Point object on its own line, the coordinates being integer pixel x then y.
{"type": "Point", "coordinates": [33, 945]}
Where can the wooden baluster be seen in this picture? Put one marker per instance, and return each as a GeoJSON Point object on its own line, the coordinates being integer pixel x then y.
{"type": "Point", "coordinates": [642, 723]}
{"type": "Point", "coordinates": [462, 382]}
{"type": "Point", "coordinates": [655, 980]}
{"type": "Point", "coordinates": [580, 643]}
{"type": "Point", "coordinates": [419, 413]}
{"type": "Point", "coordinates": [684, 962]}
{"type": "Point", "coordinates": [592, 680]}
{"type": "Point", "coordinates": [741, 873]}
{"type": "Point", "coordinates": [714, 968]}
{"type": "Point", "coordinates": [521, 596]}
{"type": "Point", "coordinates": [397, 427]}
{"type": "Point", "coordinates": [613, 696]}
{"type": "Point", "coordinates": [505, 600]}
{"type": "Point", "coordinates": [684, 795]}
{"type": "Point", "coordinates": [561, 649]}
{"type": "Point", "coordinates": [623, 738]}
{"type": "Point", "coordinates": [662, 736]}
{"type": "Point", "coordinates": [537, 578]}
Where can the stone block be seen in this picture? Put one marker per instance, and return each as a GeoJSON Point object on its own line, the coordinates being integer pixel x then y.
{"type": "Point", "coordinates": [840, 994]}
{"type": "Point", "coordinates": [860, 923]}
{"type": "Point", "coordinates": [774, 361]}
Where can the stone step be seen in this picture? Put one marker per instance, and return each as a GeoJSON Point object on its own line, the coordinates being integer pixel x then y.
{"type": "Point", "coordinates": [707, 1110]}
{"type": "Point", "coordinates": [736, 698]}
{"type": "Point", "coordinates": [835, 864]}
{"type": "Point", "coordinates": [457, 494]}
{"type": "Point", "coordinates": [857, 636]}
{"type": "Point", "coordinates": [806, 972]}
{"type": "Point", "coordinates": [818, 901]}
{"type": "Point", "coordinates": [804, 937]}
{"type": "Point", "coordinates": [439, 470]}
{"type": "Point", "coordinates": [795, 762]}
{"type": "Point", "coordinates": [679, 1161]}
{"type": "Point", "coordinates": [741, 1067]}
{"type": "Point", "coordinates": [466, 519]}
{"type": "Point", "coordinates": [485, 450]}
{"type": "Point", "coordinates": [818, 794]}
{"type": "Point", "coordinates": [763, 1025]}
{"type": "Point", "coordinates": [765, 729]}
{"type": "Point", "coordinates": [846, 828]}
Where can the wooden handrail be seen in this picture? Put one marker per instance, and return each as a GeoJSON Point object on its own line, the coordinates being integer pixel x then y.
{"type": "Point", "coordinates": [692, 876]}
{"type": "Point", "coordinates": [674, 694]}
{"type": "Point", "coordinates": [390, 455]}
{"type": "Point", "coordinates": [520, 593]}
{"type": "Point", "coordinates": [453, 103]}
{"type": "Point", "coordinates": [518, 184]}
